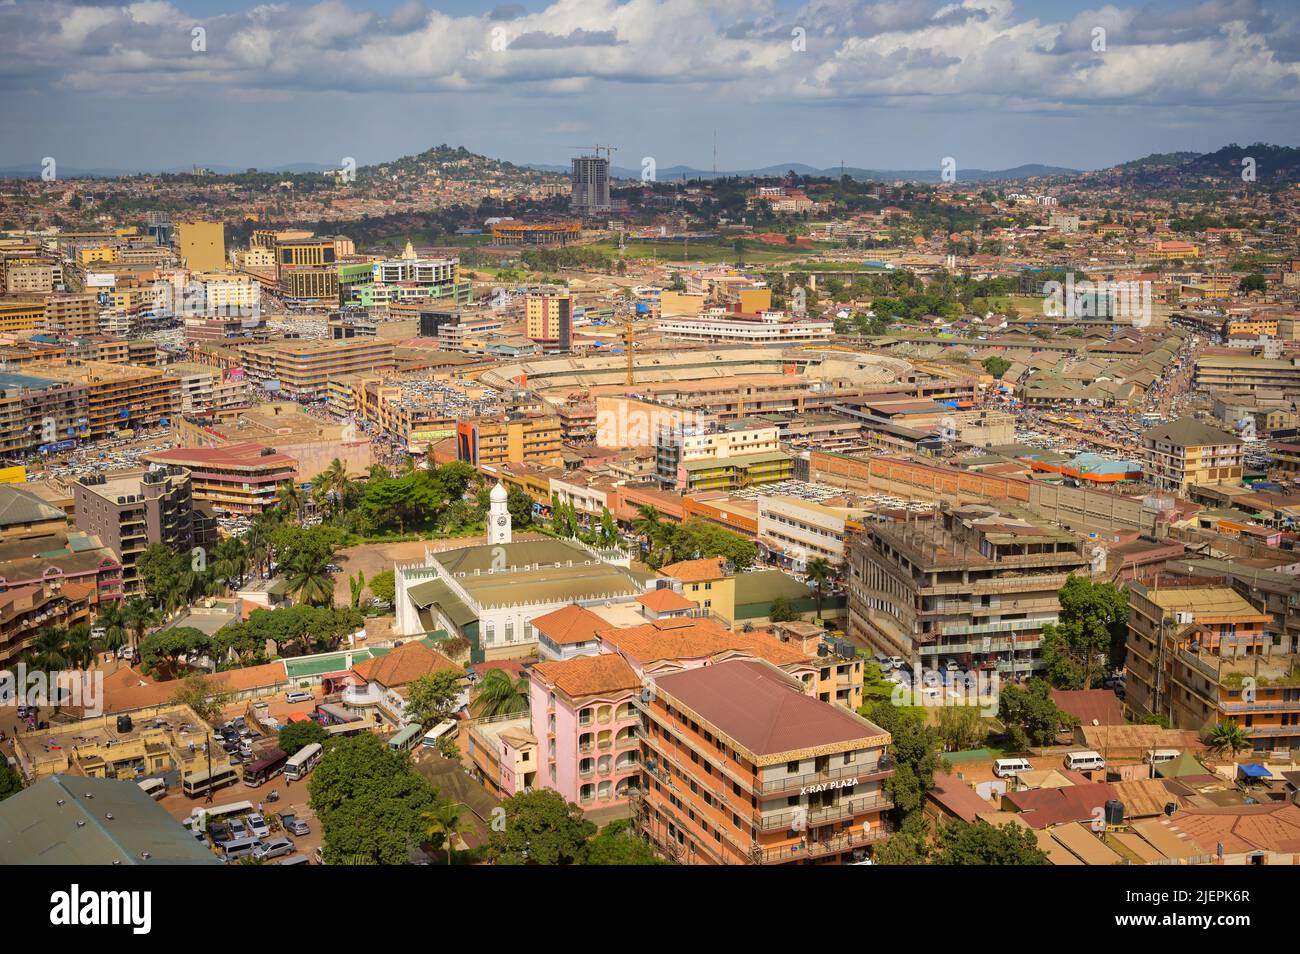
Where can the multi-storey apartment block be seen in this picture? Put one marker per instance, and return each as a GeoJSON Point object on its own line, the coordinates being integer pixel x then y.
{"type": "Point", "coordinates": [970, 585]}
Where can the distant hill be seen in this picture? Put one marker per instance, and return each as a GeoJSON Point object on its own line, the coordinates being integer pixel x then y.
{"type": "Point", "coordinates": [669, 173]}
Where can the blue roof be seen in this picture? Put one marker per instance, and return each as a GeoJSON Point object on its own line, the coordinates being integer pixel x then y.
{"type": "Point", "coordinates": [8, 379]}
{"type": "Point", "coordinates": [1254, 770]}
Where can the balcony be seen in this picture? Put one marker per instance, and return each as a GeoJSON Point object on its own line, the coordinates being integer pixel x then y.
{"type": "Point", "coordinates": [806, 850]}
{"type": "Point", "coordinates": [361, 696]}
{"type": "Point", "coordinates": [788, 818]}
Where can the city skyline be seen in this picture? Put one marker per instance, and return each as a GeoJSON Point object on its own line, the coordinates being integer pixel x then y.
{"type": "Point", "coordinates": [992, 83]}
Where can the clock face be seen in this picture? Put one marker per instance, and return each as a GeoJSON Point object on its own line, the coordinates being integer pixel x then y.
{"type": "Point", "coordinates": [501, 520]}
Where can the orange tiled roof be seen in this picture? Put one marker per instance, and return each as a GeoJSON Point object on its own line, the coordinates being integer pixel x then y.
{"type": "Point", "coordinates": [664, 601]}
{"type": "Point", "coordinates": [570, 624]}
{"type": "Point", "coordinates": [691, 638]}
{"type": "Point", "coordinates": [403, 665]}
{"type": "Point", "coordinates": [589, 675]}
{"type": "Point", "coordinates": [696, 571]}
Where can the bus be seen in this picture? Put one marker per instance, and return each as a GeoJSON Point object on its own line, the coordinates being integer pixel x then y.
{"type": "Point", "coordinates": [218, 812]}
{"type": "Point", "coordinates": [155, 788]}
{"type": "Point", "coordinates": [431, 737]}
{"type": "Point", "coordinates": [406, 739]}
{"type": "Point", "coordinates": [302, 762]}
{"type": "Point", "coordinates": [200, 783]}
{"type": "Point", "coordinates": [269, 765]}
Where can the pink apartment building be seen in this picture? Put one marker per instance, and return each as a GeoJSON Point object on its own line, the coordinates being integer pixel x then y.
{"type": "Point", "coordinates": [585, 719]}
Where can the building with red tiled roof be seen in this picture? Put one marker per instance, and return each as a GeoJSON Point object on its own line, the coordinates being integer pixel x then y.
{"type": "Point", "coordinates": [951, 798]}
{"type": "Point", "coordinates": [1044, 807]}
{"type": "Point", "coordinates": [743, 767]}
{"type": "Point", "coordinates": [567, 632]}
{"type": "Point", "coordinates": [1090, 706]}
{"type": "Point", "coordinates": [246, 683]}
{"type": "Point", "coordinates": [686, 642]}
{"type": "Point", "coordinates": [583, 713]}
{"type": "Point", "coordinates": [665, 603]}
{"type": "Point", "coordinates": [1249, 834]}
{"type": "Point", "coordinates": [235, 478]}
{"type": "Point", "coordinates": [383, 680]}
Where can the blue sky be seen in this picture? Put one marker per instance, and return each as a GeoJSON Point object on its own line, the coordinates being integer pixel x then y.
{"type": "Point", "coordinates": [889, 84]}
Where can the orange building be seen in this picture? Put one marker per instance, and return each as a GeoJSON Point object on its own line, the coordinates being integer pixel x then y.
{"type": "Point", "coordinates": [741, 767]}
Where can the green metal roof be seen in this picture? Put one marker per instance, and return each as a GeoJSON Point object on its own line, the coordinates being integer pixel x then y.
{"type": "Point", "coordinates": [55, 822]}
{"type": "Point", "coordinates": [438, 593]}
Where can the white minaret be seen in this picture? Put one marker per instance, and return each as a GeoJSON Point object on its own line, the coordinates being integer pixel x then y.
{"type": "Point", "coordinates": [498, 516]}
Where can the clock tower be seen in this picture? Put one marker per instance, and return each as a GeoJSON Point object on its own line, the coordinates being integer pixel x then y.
{"type": "Point", "coordinates": [498, 516]}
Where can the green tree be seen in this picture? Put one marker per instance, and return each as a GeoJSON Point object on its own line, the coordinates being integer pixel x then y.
{"type": "Point", "coordinates": [782, 610]}
{"type": "Point", "coordinates": [497, 695]}
{"type": "Point", "coordinates": [996, 366]}
{"type": "Point", "coordinates": [960, 727]}
{"type": "Point", "coordinates": [162, 652]}
{"type": "Point", "coordinates": [383, 586]}
{"type": "Point", "coordinates": [369, 801]}
{"type": "Point", "coordinates": [11, 783]}
{"type": "Point", "coordinates": [433, 699]}
{"type": "Point", "coordinates": [111, 618]}
{"type": "Point", "coordinates": [914, 748]}
{"type": "Point", "coordinates": [139, 616]}
{"type": "Point", "coordinates": [296, 736]}
{"type": "Point", "coordinates": [819, 572]}
{"type": "Point", "coordinates": [618, 844]}
{"type": "Point", "coordinates": [308, 578]}
{"type": "Point", "coordinates": [204, 695]}
{"type": "Point", "coordinates": [1089, 635]}
{"type": "Point", "coordinates": [1227, 738]}
{"type": "Point", "coordinates": [540, 828]}
{"type": "Point", "coordinates": [1030, 715]}
{"type": "Point", "coordinates": [443, 824]}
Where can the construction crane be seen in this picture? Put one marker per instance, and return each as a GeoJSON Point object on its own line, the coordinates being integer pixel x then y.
{"type": "Point", "coordinates": [609, 151]}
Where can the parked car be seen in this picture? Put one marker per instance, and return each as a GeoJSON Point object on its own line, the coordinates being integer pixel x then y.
{"type": "Point", "coordinates": [258, 825]}
{"type": "Point", "coordinates": [294, 825]}
{"type": "Point", "coordinates": [275, 848]}
{"type": "Point", "coordinates": [298, 695]}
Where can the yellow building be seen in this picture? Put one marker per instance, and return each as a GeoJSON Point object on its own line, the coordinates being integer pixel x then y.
{"type": "Point", "coordinates": [549, 313]}
{"type": "Point", "coordinates": [708, 585]}
{"type": "Point", "coordinates": [492, 442]}
{"type": "Point", "coordinates": [22, 315]}
{"type": "Point", "coordinates": [202, 245]}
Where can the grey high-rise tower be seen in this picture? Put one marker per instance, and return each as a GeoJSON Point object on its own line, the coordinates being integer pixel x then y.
{"type": "Point", "coordinates": [590, 180]}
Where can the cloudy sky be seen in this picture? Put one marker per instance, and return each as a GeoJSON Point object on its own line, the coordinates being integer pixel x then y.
{"type": "Point", "coordinates": [889, 84]}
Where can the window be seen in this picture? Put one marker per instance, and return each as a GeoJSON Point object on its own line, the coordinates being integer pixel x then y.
{"type": "Point", "coordinates": [490, 632]}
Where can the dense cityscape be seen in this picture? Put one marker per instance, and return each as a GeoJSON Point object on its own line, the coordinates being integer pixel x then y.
{"type": "Point", "coordinates": [456, 510]}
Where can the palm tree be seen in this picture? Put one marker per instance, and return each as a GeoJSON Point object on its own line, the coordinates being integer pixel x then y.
{"type": "Point", "coordinates": [257, 543]}
{"type": "Point", "coordinates": [309, 579]}
{"type": "Point", "coordinates": [819, 572]}
{"type": "Point", "coordinates": [139, 615]}
{"type": "Point", "coordinates": [442, 824]}
{"type": "Point", "coordinates": [112, 619]}
{"type": "Point", "coordinates": [49, 652]}
{"type": "Point", "coordinates": [290, 498]}
{"type": "Point", "coordinates": [1228, 737]}
{"type": "Point", "coordinates": [647, 523]}
{"type": "Point", "coordinates": [498, 695]}
{"type": "Point", "coordinates": [333, 480]}
{"type": "Point", "coordinates": [80, 646]}
{"type": "Point", "coordinates": [230, 561]}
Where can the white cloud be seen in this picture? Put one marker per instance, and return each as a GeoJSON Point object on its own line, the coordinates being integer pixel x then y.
{"type": "Point", "coordinates": [946, 55]}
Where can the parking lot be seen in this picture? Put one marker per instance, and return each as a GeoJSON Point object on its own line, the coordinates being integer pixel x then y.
{"type": "Point", "coordinates": [292, 797]}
